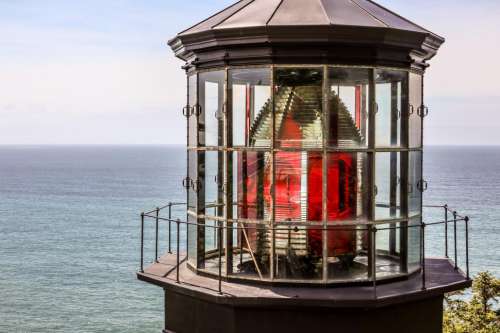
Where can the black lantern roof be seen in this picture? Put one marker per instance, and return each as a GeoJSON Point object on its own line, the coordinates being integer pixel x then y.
{"type": "Point", "coordinates": [267, 30]}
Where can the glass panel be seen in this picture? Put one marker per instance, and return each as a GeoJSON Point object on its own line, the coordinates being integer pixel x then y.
{"type": "Point", "coordinates": [298, 252]}
{"type": "Point", "coordinates": [414, 181]}
{"type": "Point", "coordinates": [193, 176]}
{"type": "Point", "coordinates": [251, 185]}
{"type": "Point", "coordinates": [388, 185]}
{"type": "Point", "coordinates": [211, 100]}
{"type": "Point", "coordinates": [347, 196]}
{"type": "Point", "coordinates": [192, 240]}
{"type": "Point", "coordinates": [211, 254]}
{"type": "Point", "coordinates": [193, 120]}
{"type": "Point", "coordinates": [251, 107]}
{"type": "Point", "coordinates": [414, 249]}
{"type": "Point", "coordinates": [291, 186]}
{"type": "Point", "coordinates": [388, 254]}
{"type": "Point", "coordinates": [390, 97]}
{"type": "Point", "coordinates": [349, 106]}
{"type": "Point", "coordinates": [251, 255]}
{"type": "Point", "coordinates": [347, 252]}
{"type": "Point", "coordinates": [213, 181]}
{"type": "Point", "coordinates": [299, 107]}
{"type": "Point", "coordinates": [415, 123]}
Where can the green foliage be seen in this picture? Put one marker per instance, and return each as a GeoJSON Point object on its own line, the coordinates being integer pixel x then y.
{"type": "Point", "coordinates": [477, 314]}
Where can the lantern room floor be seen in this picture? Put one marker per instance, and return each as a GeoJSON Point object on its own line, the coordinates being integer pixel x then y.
{"type": "Point", "coordinates": [441, 277]}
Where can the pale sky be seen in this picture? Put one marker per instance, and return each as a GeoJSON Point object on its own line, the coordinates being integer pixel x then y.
{"type": "Point", "coordinates": [100, 72]}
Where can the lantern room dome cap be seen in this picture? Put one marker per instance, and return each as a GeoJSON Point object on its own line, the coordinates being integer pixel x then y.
{"type": "Point", "coordinates": [270, 21]}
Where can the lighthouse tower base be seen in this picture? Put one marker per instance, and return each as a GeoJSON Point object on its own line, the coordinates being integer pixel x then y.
{"type": "Point", "coordinates": [188, 314]}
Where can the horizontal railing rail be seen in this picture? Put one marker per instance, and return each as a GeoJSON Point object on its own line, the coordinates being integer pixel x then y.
{"type": "Point", "coordinates": [450, 217]}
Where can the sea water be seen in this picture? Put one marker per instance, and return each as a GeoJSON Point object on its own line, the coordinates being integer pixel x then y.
{"type": "Point", "coordinates": [70, 229]}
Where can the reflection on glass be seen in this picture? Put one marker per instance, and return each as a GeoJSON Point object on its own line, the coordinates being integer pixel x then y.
{"type": "Point", "coordinates": [388, 261]}
{"type": "Point", "coordinates": [193, 120]}
{"type": "Point", "coordinates": [414, 183]}
{"type": "Point", "coordinates": [415, 123]}
{"type": "Point", "coordinates": [348, 115]}
{"type": "Point", "coordinates": [211, 101]}
{"type": "Point", "coordinates": [390, 97]}
{"type": "Point", "coordinates": [213, 181]}
{"type": "Point", "coordinates": [251, 106]}
{"type": "Point", "coordinates": [298, 107]}
{"type": "Point", "coordinates": [388, 185]}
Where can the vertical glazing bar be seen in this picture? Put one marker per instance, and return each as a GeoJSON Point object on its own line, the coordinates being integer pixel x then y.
{"type": "Point", "coordinates": [142, 242]}
{"type": "Point", "coordinates": [371, 173]}
{"type": "Point", "coordinates": [466, 219]}
{"type": "Point", "coordinates": [273, 177]}
{"type": "Point", "coordinates": [156, 233]}
{"type": "Point", "coordinates": [422, 242]}
{"type": "Point", "coordinates": [374, 260]}
{"type": "Point", "coordinates": [326, 137]}
{"type": "Point", "coordinates": [455, 238]}
{"type": "Point", "coordinates": [170, 227]}
{"type": "Point", "coordinates": [227, 187]}
{"type": "Point", "coordinates": [446, 231]}
{"type": "Point", "coordinates": [178, 251]}
{"type": "Point", "coordinates": [220, 258]}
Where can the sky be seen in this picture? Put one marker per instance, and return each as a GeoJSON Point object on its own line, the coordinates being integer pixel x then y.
{"type": "Point", "coordinates": [101, 72]}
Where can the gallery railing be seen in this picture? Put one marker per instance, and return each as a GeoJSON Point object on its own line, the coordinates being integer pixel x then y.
{"type": "Point", "coordinates": [451, 217]}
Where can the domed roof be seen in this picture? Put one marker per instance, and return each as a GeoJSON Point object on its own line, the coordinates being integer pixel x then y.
{"type": "Point", "coordinates": [268, 13]}
{"type": "Point", "coordinates": [271, 24]}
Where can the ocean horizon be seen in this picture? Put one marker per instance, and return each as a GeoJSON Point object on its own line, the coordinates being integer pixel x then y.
{"type": "Point", "coordinates": [70, 231]}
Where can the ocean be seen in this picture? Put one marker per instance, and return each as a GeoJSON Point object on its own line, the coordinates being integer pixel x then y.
{"type": "Point", "coordinates": [70, 232]}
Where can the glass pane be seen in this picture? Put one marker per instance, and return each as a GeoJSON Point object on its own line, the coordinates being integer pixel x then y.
{"type": "Point", "coordinates": [414, 181]}
{"type": "Point", "coordinates": [251, 185]}
{"type": "Point", "coordinates": [193, 176]}
{"type": "Point", "coordinates": [390, 97]}
{"type": "Point", "coordinates": [213, 180]}
{"type": "Point", "coordinates": [291, 186]}
{"type": "Point", "coordinates": [251, 107]}
{"type": "Point", "coordinates": [414, 249]}
{"type": "Point", "coordinates": [211, 254]}
{"type": "Point", "coordinates": [193, 120]}
{"type": "Point", "coordinates": [347, 252]}
{"type": "Point", "coordinates": [415, 123]}
{"type": "Point", "coordinates": [192, 240]}
{"type": "Point", "coordinates": [347, 196]}
{"type": "Point", "coordinates": [251, 255]}
{"type": "Point", "coordinates": [299, 107]}
{"type": "Point", "coordinates": [388, 260]}
{"type": "Point", "coordinates": [388, 185]}
{"type": "Point", "coordinates": [349, 106]}
{"type": "Point", "coordinates": [298, 252]}
{"type": "Point", "coordinates": [211, 101]}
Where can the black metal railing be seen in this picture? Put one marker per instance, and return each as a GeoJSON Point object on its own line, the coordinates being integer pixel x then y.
{"type": "Point", "coordinates": [155, 215]}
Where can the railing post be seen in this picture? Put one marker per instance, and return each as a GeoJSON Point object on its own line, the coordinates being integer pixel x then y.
{"type": "Point", "coordinates": [142, 242]}
{"type": "Point", "coordinates": [169, 227]}
{"type": "Point", "coordinates": [156, 233]}
{"type": "Point", "coordinates": [455, 237]}
{"type": "Point", "coordinates": [467, 246]}
{"type": "Point", "coordinates": [422, 242]}
{"type": "Point", "coordinates": [178, 251]}
{"type": "Point", "coordinates": [374, 260]}
{"type": "Point", "coordinates": [220, 257]}
{"type": "Point", "coordinates": [446, 231]}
